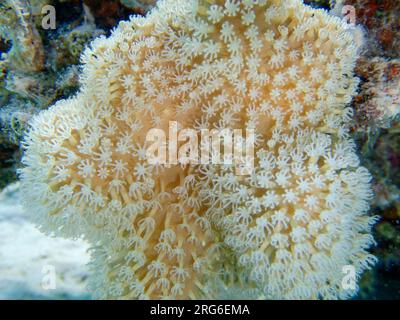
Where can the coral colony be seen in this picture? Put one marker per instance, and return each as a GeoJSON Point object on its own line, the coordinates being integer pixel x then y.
{"type": "Point", "coordinates": [285, 230]}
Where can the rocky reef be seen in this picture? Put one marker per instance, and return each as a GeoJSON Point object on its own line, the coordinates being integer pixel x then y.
{"type": "Point", "coordinates": [283, 231]}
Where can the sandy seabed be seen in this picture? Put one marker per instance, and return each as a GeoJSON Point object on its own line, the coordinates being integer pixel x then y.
{"type": "Point", "coordinates": [33, 265]}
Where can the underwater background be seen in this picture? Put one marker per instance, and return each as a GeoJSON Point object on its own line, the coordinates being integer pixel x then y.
{"type": "Point", "coordinates": [40, 66]}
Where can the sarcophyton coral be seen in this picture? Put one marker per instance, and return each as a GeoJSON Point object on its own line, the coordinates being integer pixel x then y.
{"type": "Point", "coordinates": [195, 231]}
{"type": "Point", "coordinates": [150, 242]}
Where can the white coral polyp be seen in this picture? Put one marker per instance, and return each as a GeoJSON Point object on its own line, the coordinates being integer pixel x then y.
{"type": "Point", "coordinates": [286, 231]}
{"type": "Point", "coordinates": [298, 249]}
